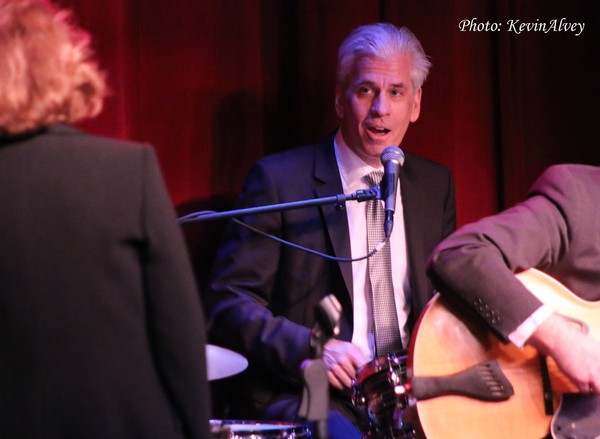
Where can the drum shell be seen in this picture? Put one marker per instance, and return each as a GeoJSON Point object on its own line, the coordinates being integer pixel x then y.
{"type": "Point", "coordinates": [374, 389]}
{"type": "Point", "coordinates": [248, 429]}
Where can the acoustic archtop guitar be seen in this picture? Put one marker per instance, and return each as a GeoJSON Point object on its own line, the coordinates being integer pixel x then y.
{"type": "Point", "coordinates": [444, 344]}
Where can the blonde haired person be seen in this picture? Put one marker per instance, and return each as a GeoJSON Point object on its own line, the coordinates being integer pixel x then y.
{"type": "Point", "coordinates": [47, 68]}
{"type": "Point", "coordinates": [101, 328]}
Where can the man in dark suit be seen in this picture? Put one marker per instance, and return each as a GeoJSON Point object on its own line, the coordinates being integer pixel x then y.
{"type": "Point", "coordinates": [101, 329]}
{"type": "Point", "coordinates": [263, 294]}
{"type": "Point", "coordinates": [556, 230]}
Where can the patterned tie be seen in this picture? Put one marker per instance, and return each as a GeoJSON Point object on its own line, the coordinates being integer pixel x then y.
{"type": "Point", "coordinates": [385, 319]}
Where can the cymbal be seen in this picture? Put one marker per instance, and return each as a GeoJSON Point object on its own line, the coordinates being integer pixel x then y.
{"type": "Point", "coordinates": [222, 363]}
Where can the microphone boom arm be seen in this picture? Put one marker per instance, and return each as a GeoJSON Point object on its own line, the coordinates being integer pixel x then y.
{"type": "Point", "coordinates": [337, 200]}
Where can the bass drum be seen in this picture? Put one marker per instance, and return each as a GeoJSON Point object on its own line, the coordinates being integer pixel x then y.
{"type": "Point", "coordinates": [229, 429]}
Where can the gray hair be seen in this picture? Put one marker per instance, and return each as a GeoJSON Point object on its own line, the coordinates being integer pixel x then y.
{"type": "Point", "coordinates": [383, 41]}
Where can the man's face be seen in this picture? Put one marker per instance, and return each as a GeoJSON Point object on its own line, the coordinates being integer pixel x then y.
{"type": "Point", "coordinates": [377, 105]}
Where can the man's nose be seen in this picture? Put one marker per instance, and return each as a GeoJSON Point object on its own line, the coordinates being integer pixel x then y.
{"type": "Point", "coordinates": [381, 105]}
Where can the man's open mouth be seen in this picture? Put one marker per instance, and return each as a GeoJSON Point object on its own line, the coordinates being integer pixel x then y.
{"type": "Point", "coordinates": [379, 131]}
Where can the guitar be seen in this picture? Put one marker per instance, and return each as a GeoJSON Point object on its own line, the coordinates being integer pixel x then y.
{"type": "Point", "coordinates": [443, 344]}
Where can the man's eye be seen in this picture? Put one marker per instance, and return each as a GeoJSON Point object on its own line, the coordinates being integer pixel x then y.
{"type": "Point", "coordinates": [397, 92]}
{"type": "Point", "coordinates": [364, 90]}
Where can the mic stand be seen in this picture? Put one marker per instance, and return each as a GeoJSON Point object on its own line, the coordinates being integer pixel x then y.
{"type": "Point", "coordinates": [336, 200]}
{"type": "Point", "coordinates": [315, 396]}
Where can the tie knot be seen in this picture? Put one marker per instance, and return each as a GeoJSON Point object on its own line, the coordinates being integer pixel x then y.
{"type": "Point", "coordinates": [373, 178]}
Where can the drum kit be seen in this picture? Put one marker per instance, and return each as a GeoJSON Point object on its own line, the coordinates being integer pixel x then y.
{"type": "Point", "coordinates": [378, 389]}
{"type": "Point", "coordinates": [223, 363]}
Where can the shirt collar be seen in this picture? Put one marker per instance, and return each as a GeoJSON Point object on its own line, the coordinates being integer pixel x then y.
{"type": "Point", "coordinates": [352, 167]}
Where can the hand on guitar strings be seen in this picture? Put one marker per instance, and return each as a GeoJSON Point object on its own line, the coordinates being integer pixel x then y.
{"type": "Point", "coordinates": [342, 359]}
{"type": "Point", "coordinates": [576, 353]}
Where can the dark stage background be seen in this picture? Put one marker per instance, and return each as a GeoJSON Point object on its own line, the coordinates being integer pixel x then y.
{"type": "Point", "coordinates": [216, 84]}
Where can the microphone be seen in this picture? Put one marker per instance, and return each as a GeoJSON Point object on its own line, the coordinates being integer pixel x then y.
{"type": "Point", "coordinates": [328, 313]}
{"type": "Point", "coordinates": [392, 158]}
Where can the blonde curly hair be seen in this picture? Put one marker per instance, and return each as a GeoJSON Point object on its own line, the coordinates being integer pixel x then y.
{"type": "Point", "coordinates": [47, 68]}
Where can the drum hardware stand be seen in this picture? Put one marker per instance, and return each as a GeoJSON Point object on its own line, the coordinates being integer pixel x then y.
{"type": "Point", "coordinates": [314, 406]}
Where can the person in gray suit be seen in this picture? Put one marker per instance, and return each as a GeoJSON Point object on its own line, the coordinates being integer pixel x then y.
{"type": "Point", "coordinates": [555, 230]}
{"type": "Point", "coordinates": [101, 327]}
{"type": "Point", "coordinates": [262, 296]}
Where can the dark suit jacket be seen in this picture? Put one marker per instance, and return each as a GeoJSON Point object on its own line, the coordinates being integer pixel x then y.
{"type": "Point", "coordinates": [101, 330]}
{"type": "Point", "coordinates": [263, 294]}
{"type": "Point", "coordinates": [557, 230]}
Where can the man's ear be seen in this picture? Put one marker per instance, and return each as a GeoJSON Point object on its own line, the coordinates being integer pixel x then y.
{"type": "Point", "coordinates": [416, 109]}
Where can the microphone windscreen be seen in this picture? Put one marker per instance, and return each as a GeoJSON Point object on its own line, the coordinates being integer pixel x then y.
{"type": "Point", "coordinates": [394, 154]}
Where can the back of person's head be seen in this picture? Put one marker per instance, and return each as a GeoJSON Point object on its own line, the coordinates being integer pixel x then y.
{"type": "Point", "coordinates": [382, 41]}
{"type": "Point", "coordinates": [47, 68]}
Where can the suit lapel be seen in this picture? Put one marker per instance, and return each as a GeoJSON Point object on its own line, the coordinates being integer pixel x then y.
{"type": "Point", "coordinates": [328, 183]}
{"type": "Point", "coordinates": [413, 202]}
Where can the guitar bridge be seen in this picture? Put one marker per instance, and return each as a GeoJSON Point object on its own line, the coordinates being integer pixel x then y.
{"type": "Point", "coordinates": [484, 381]}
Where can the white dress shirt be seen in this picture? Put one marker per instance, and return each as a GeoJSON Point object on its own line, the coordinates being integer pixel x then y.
{"type": "Point", "coordinates": [352, 170]}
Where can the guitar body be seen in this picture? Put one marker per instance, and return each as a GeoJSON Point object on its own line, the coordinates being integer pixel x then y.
{"type": "Point", "coordinates": [444, 344]}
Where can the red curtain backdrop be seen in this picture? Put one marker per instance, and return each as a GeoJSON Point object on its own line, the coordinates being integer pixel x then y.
{"type": "Point", "coordinates": [216, 84]}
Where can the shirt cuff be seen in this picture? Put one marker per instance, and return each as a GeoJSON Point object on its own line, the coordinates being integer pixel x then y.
{"type": "Point", "coordinates": [520, 335]}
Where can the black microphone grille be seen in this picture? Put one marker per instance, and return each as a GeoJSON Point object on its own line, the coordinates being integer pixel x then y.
{"type": "Point", "coordinates": [394, 154]}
